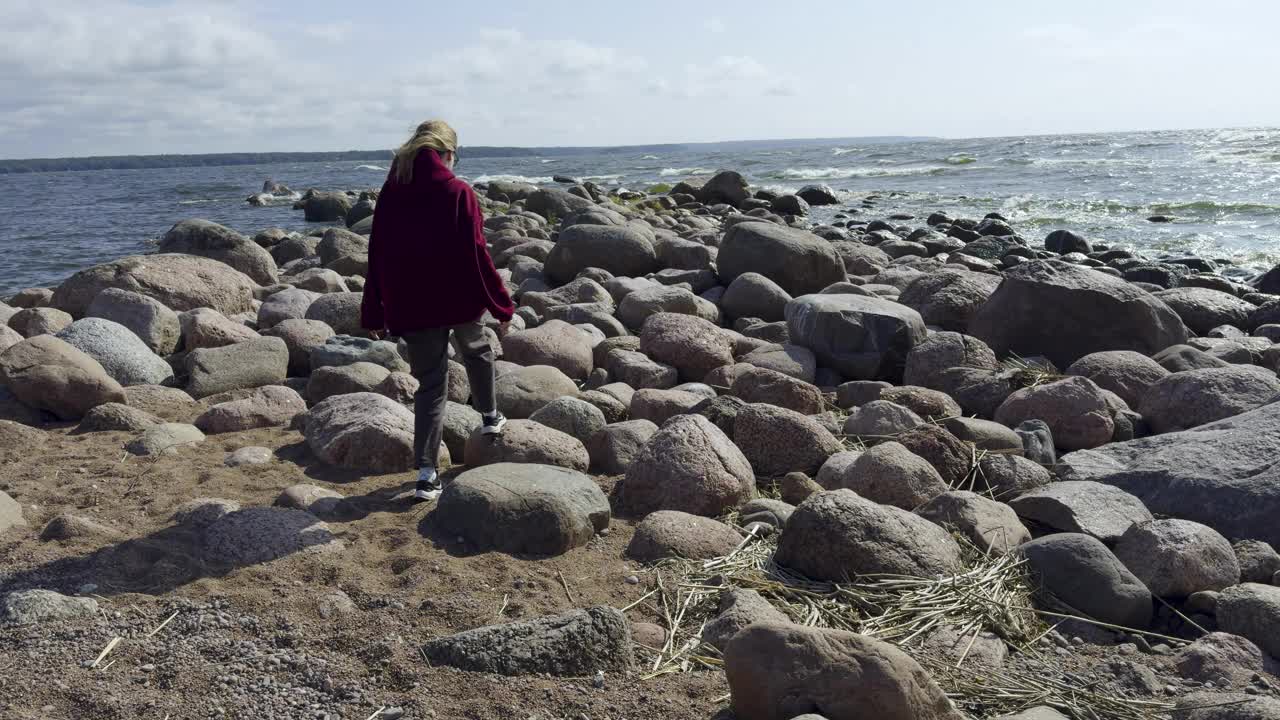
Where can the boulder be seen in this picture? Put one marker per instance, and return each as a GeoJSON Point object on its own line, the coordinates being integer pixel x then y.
{"type": "Point", "coordinates": [300, 337]}
{"type": "Point", "coordinates": [270, 406]}
{"type": "Point", "coordinates": [1066, 311]}
{"type": "Point", "coordinates": [337, 243]}
{"type": "Point", "coordinates": [523, 508]}
{"type": "Point", "coordinates": [948, 297]}
{"type": "Point", "coordinates": [1193, 398]}
{"type": "Point", "coordinates": [1258, 561]}
{"type": "Point", "coordinates": [1180, 358]}
{"type": "Point", "coordinates": [838, 535]}
{"type": "Point", "coordinates": [929, 362]}
{"type": "Point", "coordinates": [10, 513]}
{"type": "Point", "coordinates": [880, 419]}
{"type": "Point", "coordinates": [179, 282]}
{"type": "Point", "coordinates": [639, 305]}
{"type": "Point", "coordinates": [30, 607]}
{"type": "Point", "coordinates": [1006, 477]}
{"type": "Point", "coordinates": [571, 416]}
{"type": "Point", "coordinates": [338, 310]}
{"type": "Point", "coordinates": [525, 441]}
{"type": "Point", "coordinates": [952, 458]}
{"type": "Point", "coordinates": [156, 325]}
{"type": "Point", "coordinates": [793, 360]}
{"type": "Point", "coordinates": [1252, 611]}
{"type": "Point", "coordinates": [122, 354]}
{"type": "Point", "coordinates": [556, 204]}
{"type": "Point", "coordinates": [31, 322]}
{"type": "Point", "coordinates": [689, 465]}
{"type": "Point", "coordinates": [208, 328]}
{"type": "Point", "coordinates": [620, 249]}
{"type": "Point", "coordinates": [1074, 409]}
{"type": "Point", "coordinates": [291, 304]}
{"type": "Point", "coordinates": [638, 371]}
{"type": "Point", "coordinates": [797, 260]}
{"type": "Point", "coordinates": [760, 385]}
{"type": "Point", "coordinates": [172, 404]}
{"type": "Point", "coordinates": [777, 441]}
{"type": "Point", "coordinates": [991, 526]}
{"type": "Point", "coordinates": [616, 446]}
{"type": "Point", "coordinates": [726, 186]}
{"type": "Point", "coordinates": [260, 535]}
{"type": "Point", "coordinates": [365, 432]}
{"type": "Point", "coordinates": [892, 475]}
{"type": "Point", "coordinates": [1220, 658]}
{"type": "Point", "coordinates": [576, 644]}
{"type": "Point", "coordinates": [114, 417]}
{"type": "Point", "coordinates": [320, 206]}
{"type": "Point", "coordinates": [659, 406]}
{"type": "Point", "coordinates": [692, 345]}
{"type": "Point", "coordinates": [1126, 373]}
{"type": "Point", "coordinates": [779, 671]}
{"type": "Point", "coordinates": [251, 364]}
{"type": "Point", "coordinates": [346, 350]}
{"type": "Point", "coordinates": [165, 439]}
{"type": "Point", "coordinates": [555, 343]}
{"type": "Point", "coordinates": [1081, 506]}
{"type": "Point", "coordinates": [46, 373]}
{"type": "Point", "coordinates": [863, 338]}
{"type": "Point", "coordinates": [752, 295]}
{"type": "Point", "coordinates": [674, 534]}
{"type": "Point", "coordinates": [211, 240]}
{"type": "Point", "coordinates": [1175, 558]}
{"type": "Point", "coordinates": [523, 391]}
{"type": "Point", "coordinates": [1078, 574]}
{"type": "Point", "coordinates": [1203, 309]}
{"type": "Point", "coordinates": [739, 609]}
{"type": "Point", "coordinates": [327, 382]}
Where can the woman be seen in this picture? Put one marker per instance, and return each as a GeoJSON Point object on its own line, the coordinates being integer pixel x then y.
{"type": "Point", "coordinates": [430, 275]}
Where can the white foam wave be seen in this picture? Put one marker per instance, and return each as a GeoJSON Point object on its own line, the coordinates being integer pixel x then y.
{"type": "Point", "coordinates": [649, 157]}
{"type": "Point", "coordinates": [854, 172]}
{"type": "Point", "coordinates": [843, 151]}
{"type": "Point", "coordinates": [545, 161]}
{"type": "Point", "coordinates": [538, 180]}
{"type": "Point", "coordinates": [683, 172]}
{"type": "Point", "coordinates": [371, 167]}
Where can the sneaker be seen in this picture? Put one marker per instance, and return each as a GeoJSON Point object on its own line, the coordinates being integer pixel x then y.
{"type": "Point", "coordinates": [428, 487]}
{"type": "Point", "coordinates": [493, 423]}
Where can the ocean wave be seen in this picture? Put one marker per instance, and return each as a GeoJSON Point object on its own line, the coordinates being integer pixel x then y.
{"type": "Point", "coordinates": [854, 172]}
{"type": "Point", "coordinates": [960, 159]}
{"type": "Point", "coordinates": [649, 157]}
{"type": "Point", "coordinates": [683, 172]}
{"type": "Point", "coordinates": [1213, 206]}
{"type": "Point", "coordinates": [545, 161]}
{"type": "Point", "coordinates": [843, 151]}
{"type": "Point", "coordinates": [537, 180]}
{"type": "Point", "coordinates": [371, 167]}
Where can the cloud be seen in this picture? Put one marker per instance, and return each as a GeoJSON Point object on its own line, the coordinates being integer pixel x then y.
{"type": "Point", "coordinates": [715, 25]}
{"type": "Point", "coordinates": [123, 76]}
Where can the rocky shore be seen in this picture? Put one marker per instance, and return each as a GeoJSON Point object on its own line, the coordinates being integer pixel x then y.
{"type": "Point", "coordinates": [757, 467]}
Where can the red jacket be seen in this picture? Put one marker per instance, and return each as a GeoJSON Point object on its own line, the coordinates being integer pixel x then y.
{"type": "Point", "coordinates": [428, 263]}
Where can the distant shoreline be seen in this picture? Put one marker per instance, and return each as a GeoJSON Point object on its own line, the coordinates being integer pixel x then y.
{"type": "Point", "coordinates": [148, 162]}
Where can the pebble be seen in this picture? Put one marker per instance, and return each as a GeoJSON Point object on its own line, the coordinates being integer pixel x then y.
{"type": "Point", "coordinates": [1127, 649]}
{"type": "Point", "coordinates": [598, 680]}
{"type": "Point", "coordinates": [633, 580]}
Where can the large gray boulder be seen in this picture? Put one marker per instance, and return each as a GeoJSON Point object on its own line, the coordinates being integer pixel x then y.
{"type": "Point", "coordinates": [614, 447]}
{"type": "Point", "coordinates": [523, 391]}
{"type": "Point", "coordinates": [620, 249]}
{"type": "Point", "coordinates": [555, 343]}
{"type": "Point", "coordinates": [1074, 408]}
{"type": "Point", "coordinates": [525, 441]}
{"type": "Point", "coordinates": [301, 337]}
{"type": "Point", "coordinates": [363, 431]}
{"type": "Point", "coordinates": [1252, 611]}
{"type": "Point", "coordinates": [523, 508]}
{"type": "Point", "coordinates": [1203, 309]}
{"type": "Point", "coordinates": [122, 354]}
{"type": "Point", "coordinates": [571, 416]}
{"type": "Point", "coordinates": [179, 282]}
{"type": "Point", "coordinates": [1192, 398]}
{"type": "Point", "coordinates": [991, 526]}
{"type": "Point", "coordinates": [838, 535]}
{"type": "Point", "coordinates": [156, 325]}
{"type": "Point", "coordinates": [949, 296]}
{"type": "Point", "coordinates": [694, 346]}
{"type": "Point", "coordinates": [739, 609]}
{"type": "Point", "coordinates": [862, 338]}
{"type": "Point", "coordinates": [752, 295]}
{"type": "Point", "coordinates": [689, 465]}
{"type": "Point", "coordinates": [1225, 474]}
{"type": "Point", "coordinates": [1075, 506]}
{"type": "Point", "coordinates": [270, 406]}
{"type": "Point", "coordinates": [780, 671]}
{"type": "Point", "coordinates": [892, 475]}
{"type": "Point", "coordinates": [46, 373]}
{"type": "Point", "coordinates": [214, 241]}
{"type": "Point", "coordinates": [290, 304]}
{"type": "Point", "coordinates": [797, 260]}
{"type": "Point", "coordinates": [1126, 373]}
{"type": "Point", "coordinates": [339, 310]}
{"type": "Point", "coordinates": [251, 364]}
{"type": "Point", "coordinates": [576, 644]}
{"type": "Point", "coordinates": [640, 305]}
{"type": "Point", "coordinates": [777, 441]}
{"type": "Point", "coordinates": [671, 533]}
{"type": "Point", "coordinates": [1078, 574]}
{"type": "Point", "coordinates": [1175, 558]}
{"type": "Point", "coordinates": [28, 607]}
{"type": "Point", "coordinates": [1064, 312]}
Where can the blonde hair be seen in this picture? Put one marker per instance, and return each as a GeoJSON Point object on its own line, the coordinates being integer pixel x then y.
{"type": "Point", "coordinates": [432, 134]}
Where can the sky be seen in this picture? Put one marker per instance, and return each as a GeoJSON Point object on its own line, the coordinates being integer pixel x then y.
{"type": "Point", "coordinates": [105, 77]}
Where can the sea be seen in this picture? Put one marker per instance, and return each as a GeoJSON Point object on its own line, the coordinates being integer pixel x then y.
{"type": "Point", "coordinates": [1220, 187]}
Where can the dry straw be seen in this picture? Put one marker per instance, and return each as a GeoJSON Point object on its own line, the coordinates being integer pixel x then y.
{"type": "Point", "coordinates": [992, 595]}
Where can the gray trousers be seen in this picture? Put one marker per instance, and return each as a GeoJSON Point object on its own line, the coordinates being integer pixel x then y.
{"type": "Point", "coordinates": [429, 363]}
